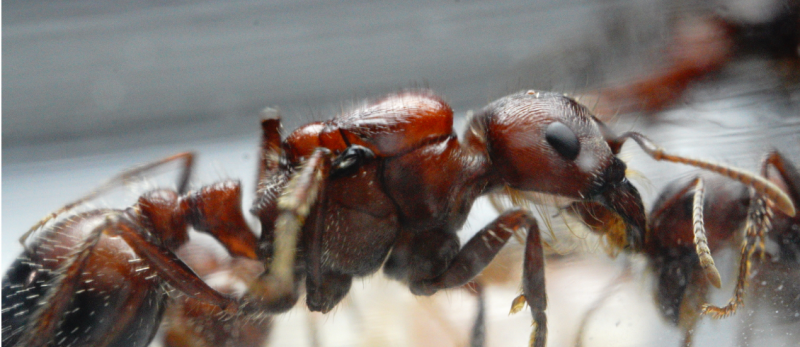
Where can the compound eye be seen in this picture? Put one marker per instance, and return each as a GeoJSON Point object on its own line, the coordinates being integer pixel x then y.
{"type": "Point", "coordinates": [563, 140]}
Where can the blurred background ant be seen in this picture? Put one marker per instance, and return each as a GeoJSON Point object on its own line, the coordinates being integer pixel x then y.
{"type": "Point", "coordinates": [763, 240]}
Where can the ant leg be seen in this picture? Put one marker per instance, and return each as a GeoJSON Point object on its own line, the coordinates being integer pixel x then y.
{"type": "Point", "coordinates": [319, 297]}
{"type": "Point", "coordinates": [481, 249]}
{"type": "Point", "coordinates": [477, 336]}
{"type": "Point", "coordinates": [265, 208]}
{"type": "Point", "coordinates": [45, 321]}
{"type": "Point", "coordinates": [476, 253]}
{"type": "Point", "coordinates": [167, 265]}
{"type": "Point", "coordinates": [789, 175]}
{"type": "Point", "coordinates": [121, 179]}
{"type": "Point", "coordinates": [276, 289]}
{"type": "Point", "coordinates": [269, 158]}
{"type": "Point", "coordinates": [761, 185]}
{"type": "Point", "coordinates": [324, 289]}
{"type": "Point", "coordinates": [533, 290]}
{"type": "Point", "coordinates": [270, 181]}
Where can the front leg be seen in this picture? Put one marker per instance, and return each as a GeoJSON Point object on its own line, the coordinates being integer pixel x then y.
{"type": "Point", "coordinates": [482, 248]}
{"type": "Point", "coordinates": [476, 254]}
{"type": "Point", "coordinates": [533, 284]}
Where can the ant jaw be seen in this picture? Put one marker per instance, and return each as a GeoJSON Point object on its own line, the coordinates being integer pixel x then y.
{"type": "Point", "coordinates": [623, 199]}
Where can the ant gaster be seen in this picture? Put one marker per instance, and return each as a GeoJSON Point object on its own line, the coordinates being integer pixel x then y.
{"type": "Point", "coordinates": [388, 183]}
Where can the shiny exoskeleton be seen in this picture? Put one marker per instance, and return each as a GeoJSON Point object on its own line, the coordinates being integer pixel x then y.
{"type": "Point", "coordinates": [102, 278]}
{"type": "Point", "coordinates": [387, 183]}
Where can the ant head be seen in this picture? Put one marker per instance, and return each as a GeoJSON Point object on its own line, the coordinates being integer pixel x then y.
{"type": "Point", "coordinates": [549, 143]}
{"type": "Point", "coordinates": [543, 142]}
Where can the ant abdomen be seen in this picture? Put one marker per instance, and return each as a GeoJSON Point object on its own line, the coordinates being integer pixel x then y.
{"type": "Point", "coordinates": [113, 271]}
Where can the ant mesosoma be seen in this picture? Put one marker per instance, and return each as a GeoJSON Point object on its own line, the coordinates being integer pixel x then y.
{"type": "Point", "coordinates": [385, 185]}
{"type": "Point", "coordinates": [678, 252]}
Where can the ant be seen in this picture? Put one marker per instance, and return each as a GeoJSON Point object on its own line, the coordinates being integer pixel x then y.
{"type": "Point", "coordinates": [678, 252]}
{"type": "Point", "coordinates": [385, 185]}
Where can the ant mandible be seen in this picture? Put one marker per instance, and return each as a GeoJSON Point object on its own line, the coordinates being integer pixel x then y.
{"type": "Point", "coordinates": [387, 184]}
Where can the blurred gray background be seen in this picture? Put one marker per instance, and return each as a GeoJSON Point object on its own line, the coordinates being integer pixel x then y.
{"type": "Point", "coordinates": [186, 69]}
{"type": "Point", "coordinates": [94, 87]}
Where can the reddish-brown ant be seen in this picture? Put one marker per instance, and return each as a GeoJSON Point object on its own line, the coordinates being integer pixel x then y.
{"type": "Point", "coordinates": [101, 277]}
{"type": "Point", "coordinates": [680, 257]}
{"type": "Point", "coordinates": [387, 184]}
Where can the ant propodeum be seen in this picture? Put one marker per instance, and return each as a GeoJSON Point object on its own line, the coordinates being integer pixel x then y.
{"type": "Point", "coordinates": [385, 185]}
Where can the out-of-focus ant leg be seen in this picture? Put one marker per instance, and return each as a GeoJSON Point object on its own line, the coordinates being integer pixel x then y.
{"type": "Point", "coordinates": [786, 229]}
{"type": "Point", "coordinates": [269, 158]}
{"type": "Point", "coordinates": [271, 180]}
{"type": "Point", "coordinates": [167, 265]}
{"type": "Point", "coordinates": [477, 335]}
{"type": "Point", "coordinates": [277, 289]}
{"type": "Point", "coordinates": [192, 323]}
{"type": "Point", "coordinates": [121, 179]}
{"type": "Point", "coordinates": [700, 46]}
